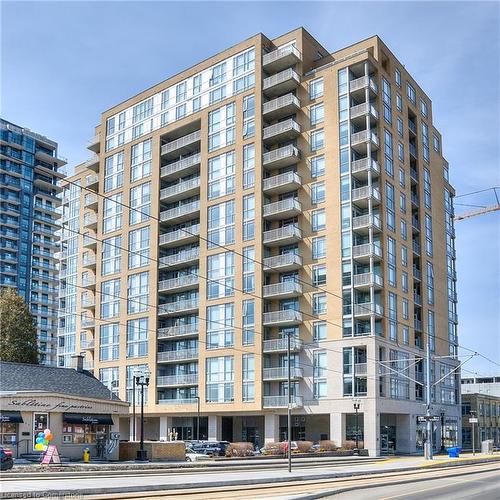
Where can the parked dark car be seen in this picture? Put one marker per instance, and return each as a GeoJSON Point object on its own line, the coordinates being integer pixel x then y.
{"type": "Point", "coordinates": [212, 448]}
{"type": "Point", "coordinates": [6, 460]}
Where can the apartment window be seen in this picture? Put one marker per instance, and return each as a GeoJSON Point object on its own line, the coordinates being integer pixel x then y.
{"type": "Point", "coordinates": [427, 189]}
{"type": "Point", "coordinates": [446, 173]}
{"type": "Point", "coordinates": [110, 299]}
{"type": "Point", "coordinates": [410, 92]}
{"type": "Point", "coordinates": [404, 256]}
{"type": "Point", "coordinates": [141, 160]}
{"type": "Point", "coordinates": [425, 141]}
{"type": "Point", "coordinates": [400, 127]}
{"type": "Point", "coordinates": [111, 255]}
{"type": "Point", "coordinates": [319, 372]}
{"type": "Point", "coordinates": [220, 275]}
{"type": "Point", "coordinates": [404, 229]}
{"type": "Point", "coordinates": [244, 62]}
{"type": "Point", "coordinates": [397, 77]}
{"type": "Point", "coordinates": [196, 104]}
{"type": "Point", "coordinates": [221, 127]}
{"type": "Point", "coordinates": [436, 143]}
{"type": "Point", "coordinates": [248, 166]}
{"type": "Point", "coordinates": [221, 224]}
{"type": "Point", "coordinates": [423, 108]}
{"type": "Point", "coordinates": [221, 175]}
{"type": "Point", "coordinates": [110, 378]}
{"type": "Point", "coordinates": [402, 202]}
{"type": "Point", "coordinates": [319, 247]}
{"type": "Point", "coordinates": [319, 303]}
{"type": "Point", "coordinates": [248, 269]}
{"type": "Point", "coordinates": [318, 220]}
{"type": "Point", "coordinates": [406, 308]}
{"type": "Point", "coordinates": [390, 208]}
{"type": "Point", "coordinates": [317, 166]}
{"type": "Point", "coordinates": [316, 88]}
{"type": "Point", "coordinates": [431, 330]}
{"type": "Point", "coordinates": [402, 177]}
{"type": "Point", "coordinates": [319, 275]}
{"type": "Point", "coordinates": [138, 293]}
{"type": "Point", "coordinates": [393, 316]}
{"type": "Point", "coordinates": [113, 172]}
{"type": "Point", "coordinates": [401, 152]}
{"type": "Point", "coordinates": [248, 377]}
{"type": "Point", "coordinates": [430, 283]}
{"type": "Point", "coordinates": [112, 217]}
{"type": "Point", "coordinates": [180, 111]}
{"type": "Point", "coordinates": [133, 370]}
{"type": "Point", "coordinates": [389, 166]}
{"type": "Point", "coordinates": [142, 110]}
{"type": "Point", "coordinates": [165, 98]}
{"type": "Point", "coordinates": [386, 98]}
{"type": "Point", "coordinates": [181, 92]}
{"type": "Point", "coordinates": [196, 84]}
{"type": "Point", "coordinates": [140, 203]}
{"type": "Point", "coordinates": [404, 281]}
{"type": "Point", "coordinates": [137, 338]}
{"type": "Point", "coordinates": [317, 139]}
{"type": "Point", "coordinates": [248, 116]}
{"type": "Point", "coordinates": [137, 130]}
{"type": "Point", "coordinates": [428, 235]}
{"type": "Point", "coordinates": [391, 260]}
{"type": "Point", "coordinates": [406, 335]}
{"type": "Point", "coordinates": [110, 126]}
{"type": "Point", "coordinates": [317, 114]}
{"type": "Point", "coordinates": [109, 342]}
{"type": "Point", "coordinates": [318, 193]}
{"type": "Point", "coordinates": [319, 330]}
{"type": "Point", "coordinates": [138, 246]}
{"type": "Point", "coordinates": [248, 322]}
{"type": "Point", "coordinates": [220, 379]}
{"type": "Point", "coordinates": [218, 74]}
{"type": "Point", "coordinates": [220, 326]}
{"type": "Point", "coordinates": [249, 217]}
{"type": "Point", "coordinates": [399, 102]}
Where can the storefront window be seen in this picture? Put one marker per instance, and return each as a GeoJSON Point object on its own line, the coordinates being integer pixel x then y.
{"type": "Point", "coordinates": [40, 423]}
{"type": "Point", "coordinates": [8, 431]}
{"type": "Point", "coordinates": [84, 433]}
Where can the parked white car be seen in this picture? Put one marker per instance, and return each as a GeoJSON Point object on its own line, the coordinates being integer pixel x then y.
{"type": "Point", "coordinates": [194, 456]}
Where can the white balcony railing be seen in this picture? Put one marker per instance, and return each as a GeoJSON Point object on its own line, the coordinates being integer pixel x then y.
{"type": "Point", "coordinates": [282, 401]}
{"type": "Point", "coordinates": [284, 179]}
{"type": "Point", "coordinates": [182, 142]}
{"type": "Point", "coordinates": [284, 260]}
{"type": "Point", "coordinates": [179, 282]}
{"type": "Point", "coordinates": [179, 355]}
{"type": "Point", "coordinates": [181, 165]}
{"type": "Point", "coordinates": [178, 306]}
{"type": "Point", "coordinates": [179, 211]}
{"type": "Point", "coordinates": [184, 379]}
{"type": "Point", "coordinates": [283, 206]}
{"type": "Point", "coordinates": [281, 372]}
{"type": "Point", "coordinates": [282, 317]}
{"type": "Point", "coordinates": [276, 345]}
{"type": "Point", "coordinates": [285, 288]}
{"type": "Point", "coordinates": [178, 331]}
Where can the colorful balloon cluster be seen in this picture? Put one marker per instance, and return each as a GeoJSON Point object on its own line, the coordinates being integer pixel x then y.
{"type": "Point", "coordinates": [43, 439]}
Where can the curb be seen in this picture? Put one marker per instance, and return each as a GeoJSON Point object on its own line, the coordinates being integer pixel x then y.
{"type": "Point", "coordinates": [218, 484]}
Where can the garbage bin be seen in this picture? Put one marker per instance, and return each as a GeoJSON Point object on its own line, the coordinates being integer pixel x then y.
{"type": "Point", "coordinates": [86, 455]}
{"type": "Point", "coordinates": [454, 452]}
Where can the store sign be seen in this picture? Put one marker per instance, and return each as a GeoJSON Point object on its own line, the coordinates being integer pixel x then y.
{"type": "Point", "coordinates": [36, 404]}
{"type": "Point", "coordinates": [473, 420]}
{"type": "Point", "coordinates": [428, 418]}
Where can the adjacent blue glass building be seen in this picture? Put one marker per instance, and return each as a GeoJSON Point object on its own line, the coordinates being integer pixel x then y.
{"type": "Point", "coordinates": [29, 224]}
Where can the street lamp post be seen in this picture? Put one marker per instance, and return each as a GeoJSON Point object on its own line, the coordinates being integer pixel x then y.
{"type": "Point", "coordinates": [442, 431]}
{"type": "Point", "coordinates": [142, 381]}
{"type": "Point", "coordinates": [289, 412]}
{"type": "Point", "coordinates": [357, 405]}
{"type": "Point", "coordinates": [472, 420]}
{"type": "Point", "coordinates": [198, 419]}
{"type": "Point", "coordinates": [133, 406]}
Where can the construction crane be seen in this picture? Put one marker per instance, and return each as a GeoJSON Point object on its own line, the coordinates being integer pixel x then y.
{"type": "Point", "coordinates": [481, 209]}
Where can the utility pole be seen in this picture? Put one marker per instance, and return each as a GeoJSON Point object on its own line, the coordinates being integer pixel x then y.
{"type": "Point", "coordinates": [428, 441]}
{"type": "Point", "coordinates": [289, 421]}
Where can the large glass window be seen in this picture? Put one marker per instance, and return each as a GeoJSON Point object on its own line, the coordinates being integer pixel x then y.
{"type": "Point", "coordinates": [317, 166]}
{"type": "Point", "coordinates": [220, 379]}
{"type": "Point", "coordinates": [248, 269]}
{"type": "Point", "coordinates": [110, 378]}
{"type": "Point", "coordinates": [221, 175]}
{"type": "Point", "coordinates": [319, 372]}
{"type": "Point", "coordinates": [220, 326]}
{"type": "Point", "coordinates": [428, 235]}
{"type": "Point", "coordinates": [319, 247]}
{"type": "Point", "coordinates": [317, 139]}
{"type": "Point", "coordinates": [317, 114]}
{"type": "Point", "coordinates": [138, 293]}
{"type": "Point", "coordinates": [221, 127]}
{"type": "Point", "coordinates": [316, 88]}
{"type": "Point", "coordinates": [319, 303]}
{"type": "Point", "coordinates": [140, 165]}
{"type": "Point", "coordinates": [138, 246]}
{"type": "Point", "coordinates": [134, 370]}
{"type": "Point", "coordinates": [318, 192]}
{"type": "Point", "coordinates": [248, 116]}
{"type": "Point", "coordinates": [110, 298]}
{"type": "Point", "coordinates": [137, 338]}
{"type": "Point", "coordinates": [109, 342]}
{"type": "Point", "coordinates": [319, 330]}
{"type": "Point", "coordinates": [140, 203]}
{"type": "Point", "coordinates": [111, 255]}
{"type": "Point", "coordinates": [220, 275]}
{"type": "Point", "coordinates": [248, 377]}
{"type": "Point", "coordinates": [248, 166]}
{"type": "Point", "coordinates": [221, 224]}
{"type": "Point", "coordinates": [113, 172]}
{"type": "Point", "coordinates": [249, 217]}
{"type": "Point", "coordinates": [318, 220]}
{"type": "Point", "coordinates": [113, 209]}
{"type": "Point", "coordinates": [248, 322]}
{"type": "Point", "coordinates": [391, 261]}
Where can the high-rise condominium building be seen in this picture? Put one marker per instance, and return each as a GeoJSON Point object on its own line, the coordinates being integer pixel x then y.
{"type": "Point", "coordinates": [29, 197]}
{"type": "Point", "coordinates": [273, 190]}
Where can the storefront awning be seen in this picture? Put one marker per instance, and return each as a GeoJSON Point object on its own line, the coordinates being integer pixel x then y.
{"type": "Point", "coordinates": [11, 416]}
{"type": "Point", "coordinates": [87, 418]}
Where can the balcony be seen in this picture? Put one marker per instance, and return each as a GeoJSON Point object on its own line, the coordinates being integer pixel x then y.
{"type": "Point", "coordinates": [182, 168]}
{"type": "Point", "coordinates": [417, 325]}
{"type": "Point", "coordinates": [177, 380]}
{"type": "Point", "coordinates": [452, 316]}
{"type": "Point", "coordinates": [180, 236]}
{"type": "Point", "coordinates": [92, 181]}
{"type": "Point", "coordinates": [176, 356]}
{"type": "Point", "coordinates": [88, 345]}
{"type": "Point", "coordinates": [281, 83]}
{"type": "Point", "coordinates": [359, 85]}
{"type": "Point", "coordinates": [285, 105]}
{"type": "Point", "coordinates": [282, 263]}
{"type": "Point", "coordinates": [92, 163]}
{"type": "Point", "coordinates": [178, 307]}
{"type": "Point", "coordinates": [360, 168]}
{"type": "Point", "coordinates": [182, 146]}
{"type": "Point", "coordinates": [89, 261]}
{"type": "Point", "coordinates": [414, 200]}
{"type": "Point", "coordinates": [285, 235]}
{"type": "Point", "coordinates": [281, 58]}
{"type": "Point", "coordinates": [359, 113]}
{"type": "Point", "coordinates": [366, 309]}
{"type": "Point", "coordinates": [413, 151]}
{"type": "Point", "coordinates": [417, 274]}
{"type": "Point", "coordinates": [88, 303]}
{"type": "Point", "coordinates": [284, 290]}
{"type": "Point", "coordinates": [88, 282]}
{"type": "Point", "coordinates": [286, 317]}
{"type": "Point", "coordinates": [416, 247]}
{"type": "Point", "coordinates": [90, 220]}
{"type": "Point", "coordinates": [89, 240]}
{"type": "Point", "coordinates": [367, 251]}
{"type": "Point", "coordinates": [178, 401]}
{"type": "Point", "coordinates": [282, 402]}
{"type": "Point", "coordinates": [281, 157]}
{"type": "Point", "coordinates": [281, 131]}
{"type": "Point", "coordinates": [360, 140]}
{"type": "Point", "coordinates": [284, 209]}
{"type": "Point", "coordinates": [178, 331]}
{"type": "Point", "coordinates": [180, 213]}
{"type": "Point", "coordinates": [281, 373]}
{"type": "Point", "coordinates": [415, 224]}
{"type": "Point", "coordinates": [95, 143]}
{"type": "Point", "coordinates": [414, 175]}
{"type": "Point", "coordinates": [91, 201]}
{"type": "Point", "coordinates": [184, 189]}
{"type": "Point", "coordinates": [417, 299]}
{"type": "Point", "coordinates": [362, 195]}
{"type": "Point", "coordinates": [88, 323]}
{"type": "Point", "coordinates": [187, 282]}
{"type": "Point", "coordinates": [281, 183]}
{"type": "Point", "coordinates": [47, 158]}
{"type": "Point", "coordinates": [180, 259]}
{"type": "Point", "coordinates": [281, 345]}
{"type": "Point", "coordinates": [366, 280]}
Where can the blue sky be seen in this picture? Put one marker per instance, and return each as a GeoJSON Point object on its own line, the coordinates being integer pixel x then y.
{"type": "Point", "coordinates": [65, 62]}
